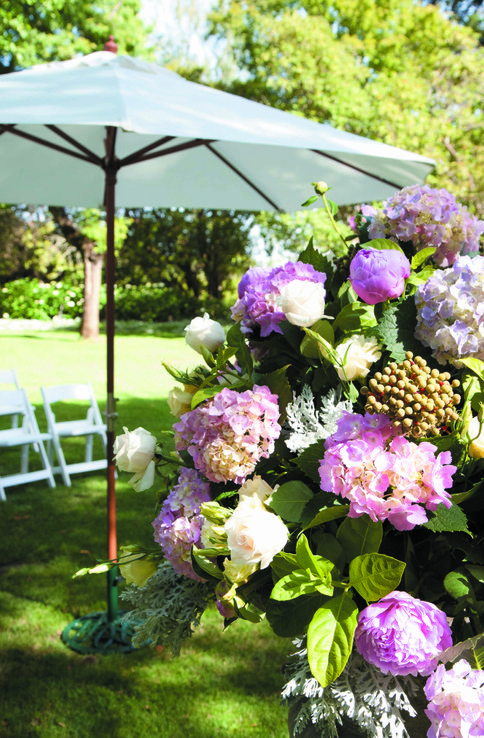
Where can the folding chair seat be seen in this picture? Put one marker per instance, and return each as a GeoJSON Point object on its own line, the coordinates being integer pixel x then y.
{"type": "Point", "coordinates": [28, 434]}
{"type": "Point", "coordinates": [88, 427]}
{"type": "Point", "coordinates": [9, 377]}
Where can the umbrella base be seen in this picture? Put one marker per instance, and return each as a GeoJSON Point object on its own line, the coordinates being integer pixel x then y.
{"type": "Point", "coordinates": [96, 633]}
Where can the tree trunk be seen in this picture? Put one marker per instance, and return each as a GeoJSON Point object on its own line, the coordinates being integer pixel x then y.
{"type": "Point", "coordinates": [93, 266]}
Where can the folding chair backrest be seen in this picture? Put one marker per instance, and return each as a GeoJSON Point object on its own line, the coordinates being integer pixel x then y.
{"type": "Point", "coordinates": [65, 392]}
{"type": "Point", "coordinates": [9, 376]}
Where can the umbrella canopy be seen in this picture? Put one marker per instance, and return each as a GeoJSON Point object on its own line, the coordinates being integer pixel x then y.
{"type": "Point", "coordinates": [105, 130]}
{"type": "Point", "coordinates": [178, 143]}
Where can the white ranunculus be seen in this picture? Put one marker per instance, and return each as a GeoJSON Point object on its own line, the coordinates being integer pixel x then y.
{"type": "Point", "coordinates": [179, 401]}
{"type": "Point", "coordinates": [476, 433]}
{"type": "Point", "coordinates": [357, 354]}
{"type": "Point", "coordinates": [302, 302]}
{"type": "Point", "coordinates": [254, 535]}
{"type": "Point", "coordinates": [134, 452]}
{"type": "Point", "coordinates": [204, 332]}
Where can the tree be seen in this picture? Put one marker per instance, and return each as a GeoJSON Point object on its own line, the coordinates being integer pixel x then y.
{"type": "Point", "coordinates": [396, 71]}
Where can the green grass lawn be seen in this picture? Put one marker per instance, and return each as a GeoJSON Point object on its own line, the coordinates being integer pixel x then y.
{"type": "Point", "coordinates": [225, 683]}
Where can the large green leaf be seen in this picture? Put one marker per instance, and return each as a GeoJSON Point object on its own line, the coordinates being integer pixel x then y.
{"type": "Point", "coordinates": [328, 514]}
{"type": "Point", "coordinates": [359, 536]}
{"type": "Point", "coordinates": [309, 460]}
{"type": "Point", "coordinates": [290, 619]}
{"type": "Point", "coordinates": [457, 584]}
{"type": "Point", "coordinates": [317, 565]}
{"type": "Point", "coordinates": [289, 500]}
{"type": "Point", "coordinates": [330, 638]}
{"type": "Point", "coordinates": [301, 582]}
{"type": "Point", "coordinates": [375, 575]}
{"type": "Point", "coordinates": [448, 520]}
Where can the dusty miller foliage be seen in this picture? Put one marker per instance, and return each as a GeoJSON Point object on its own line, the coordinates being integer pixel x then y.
{"type": "Point", "coordinates": [309, 425]}
{"type": "Point", "coordinates": [361, 693]}
{"type": "Point", "coordinates": [167, 609]}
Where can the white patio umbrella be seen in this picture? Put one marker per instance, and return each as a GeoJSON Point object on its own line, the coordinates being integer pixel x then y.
{"type": "Point", "coordinates": [105, 130]}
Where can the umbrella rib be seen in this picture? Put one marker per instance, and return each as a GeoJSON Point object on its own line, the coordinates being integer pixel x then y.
{"type": "Point", "coordinates": [357, 169]}
{"type": "Point", "coordinates": [137, 155]}
{"type": "Point", "coordinates": [95, 159]}
{"type": "Point", "coordinates": [172, 150]}
{"type": "Point", "coordinates": [242, 176]}
{"type": "Point", "coordinates": [48, 144]}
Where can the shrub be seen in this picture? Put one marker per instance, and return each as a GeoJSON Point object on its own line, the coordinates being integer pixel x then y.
{"type": "Point", "coordinates": [36, 300]}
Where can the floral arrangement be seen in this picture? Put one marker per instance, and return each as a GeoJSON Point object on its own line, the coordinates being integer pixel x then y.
{"type": "Point", "coordinates": [325, 472]}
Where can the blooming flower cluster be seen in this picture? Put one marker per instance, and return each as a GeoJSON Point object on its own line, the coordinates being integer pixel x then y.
{"type": "Point", "coordinates": [450, 311]}
{"type": "Point", "coordinates": [402, 635]}
{"type": "Point", "coordinates": [178, 525]}
{"type": "Point", "coordinates": [427, 217]}
{"type": "Point", "coordinates": [377, 276]}
{"type": "Point", "coordinates": [456, 702]}
{"type": "Point", "coordinates": [228, 435]}
{"type": "Point", "coordinates": [293, 292]}
{"type": "Point", "coordinates": [383, 474]}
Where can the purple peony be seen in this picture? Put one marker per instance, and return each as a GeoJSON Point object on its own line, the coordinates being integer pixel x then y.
{"type": "Point", "coordinates": [377, 275]}
{"type": "Point", "coordinates": [401, 635]}
{"type": "Point", "coordinates": [456, 702]}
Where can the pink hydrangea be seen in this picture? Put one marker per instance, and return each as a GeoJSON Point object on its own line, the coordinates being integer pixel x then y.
{"type": "Point", "coordinates": [179, 523]}
{"type": "Point", "coordinates": [229, 434]}
{"type": "Point", "coordinates": [456, 702]}
{"type": "Point", "coordinates": [402, 635]}
{"type": "Point", "coordinates": [383, 474]}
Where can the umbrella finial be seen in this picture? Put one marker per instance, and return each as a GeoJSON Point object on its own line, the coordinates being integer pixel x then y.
{"type": "Point", "coordinates": [111, 45]}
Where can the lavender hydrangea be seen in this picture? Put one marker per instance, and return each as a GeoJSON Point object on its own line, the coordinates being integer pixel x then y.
{"type": "Point", "coordinates": [229, 434]}
{"type": "Point", "coordinates": [402, 635]}
{"type": "Point", "coordinates": [456, 702]}
{"type": "Point", "coordinates": [427, 217]}
{"type": "Point", "coordinates": [382, 473]}
{"type": "Point", "coordinates": [179, 523]}
{"type": "Point", "coordinates": [260, 301]}
{"type": "Point", "coordinates": [450, 311]}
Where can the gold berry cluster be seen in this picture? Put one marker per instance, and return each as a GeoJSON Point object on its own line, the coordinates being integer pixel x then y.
{"type": "Point", "coordinates": [418, 400]}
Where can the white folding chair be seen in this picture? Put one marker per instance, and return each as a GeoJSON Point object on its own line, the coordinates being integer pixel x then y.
{"type": "Point", "coordinates": [28, 434]}
{"type": "Point", "coordinates": [9, 377]}
{"type": "Point", "coordinates": [88, 427]}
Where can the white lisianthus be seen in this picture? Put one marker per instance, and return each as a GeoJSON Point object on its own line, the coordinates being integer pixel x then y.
{"type": "Point", "coordinates": [134, 568]}
{"type": "Point", "coordinates": [302, 302]}
{"type": "Point", "coordinates": [255, 486]}
{"type": "Point", "coordinates": [254, 535]}
{"type": "Point", "coordinates": [238, 574]}
{"type": "Point", "coordinates": [134, 452]}
{"type": "Point", "coordinates": [357, 355]}
{"type": "Point", "coordinates": [179, 401]}
{"type": "Point", "coordinates": [204, 332]}
{"type": "Point", "coordinates": [476, 434]}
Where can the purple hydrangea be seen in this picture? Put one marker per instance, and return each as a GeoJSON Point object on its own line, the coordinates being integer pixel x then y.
{"type": "Point", "coordinates": [401, 635]}
{"type": "Point", "coordinates": [259, 292]}
{"type": "Point", "coordinates": [179, 523]}
{"type": "Point", "coordinates": [382, 473]}
{"type": "Point", "coordinates": [456, 702]}
{"type": "Point", "coordinates": [427, 217]}
{"type": "Point", "coordinates": [450, 311]}
{"type": "Point", "coordinates": [228, 435]}
{"type": "Point", "coordinates": [379, 275]}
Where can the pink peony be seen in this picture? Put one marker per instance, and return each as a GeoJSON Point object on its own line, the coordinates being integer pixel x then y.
{"type": "Point", "coordinates": [377, 275]}
{"type": "Point", "coordinates": [402, 635]}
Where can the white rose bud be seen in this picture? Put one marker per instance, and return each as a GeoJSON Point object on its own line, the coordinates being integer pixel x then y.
{"type": "Point", "coordinates": [134, 452]}
{"type": "Point", "coordinates": [357, 355]}
{"type": "Point", "coordinates": [179, 401]}
{"type": "Point", "coordinates": [254, 535]}
{"type": "Point", "coordinates": [476, 434]}
{"type": "Point", "coordinates": [302, 302]}
{"type": "Point", "coordinates": [204, 332]}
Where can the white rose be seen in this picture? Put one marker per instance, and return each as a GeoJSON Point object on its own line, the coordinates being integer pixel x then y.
{"type": "Point", "coordinates": [255, 486]}
{"type": "Point", "coordinates": [357, 355]}
{"type": "Point", "coordinates": [476, 434]}
{"type": "Point", "coordinates": [179, 401]}
{"type": "Point", "coordinates": [254, 535]}
{"type": "Point", "coordinates": [302, 302]}
{"type": "Point", "coordinates": [134, 452]}
{"type": "Point", "coordinates": [204, 332]}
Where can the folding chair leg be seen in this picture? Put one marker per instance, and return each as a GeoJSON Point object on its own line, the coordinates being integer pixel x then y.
{"type": "Point", "coordinates": [3, 496]}
{"type": "Point", "coordinates": [24, 463]}
{"type": "Point", "coordinates": [62, 463]}
{"type": "Point", "coordinates": [89, 444]}
{"type": "Point", "coordinates": [46, 464]}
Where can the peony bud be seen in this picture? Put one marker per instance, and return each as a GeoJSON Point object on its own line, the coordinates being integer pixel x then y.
{"type": "Point", "coordinates": [204, 332]}
{"type": "Point", "coordinates": [377, 275]}
{"type": "Point", "coordinates": [134, 452]}
{"type": "Point", "coordinates": [302, 302]}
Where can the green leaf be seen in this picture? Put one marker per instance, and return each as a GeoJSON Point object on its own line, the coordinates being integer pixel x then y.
{"type": "Point", "coordinates": [317, 259]}
{"type": "Point", "coordinates": [476, 571]}
{"type": "Point", "coordinates": [309, 201]}
{"type": "Point", "coordinates": [310, 346]}
{"type": "Point", "coordinates": [383, 244]}
{"type": "Point", "coordinates": [375, 575]}
{"type": "Point", "coordinates": [329, 513]}
{"type": "Point", "coordinates": [355, 318]}
{"type": "Point", "coordinates": [448, 520]}
{"type": "Point", "coordinates": [359, 536]}
{"type": "Point", "coordinates": [475, 365]}
{"type": "Point", "coordinates": [309, 460]}
{"type": "Point", "coordinates": [307, 560]}
{"type": "Point", "coordinates": [284, 563]}
{"type": "Point", "coordinates": [236, 338]}
{"type": "Point", "coordinates": [396, 330]}
{"type": "Point", "coordinates": [205, 394]}
{"type": "Point", "coordinates": [457, 584]}
{"type": "Point", "coordinates": [278, 384]}
{"type": "Point", "coordinates": [290, 619]}
{"type": "Point", "coordinates": [300, 582]}
{"type": "Point", "coordinates": [205, 567]}
{"type": "Point", "coordinates": [421, 255]}
{"type": "Point", "coordinates": [289, 500]}
{"type": "Point", "coordinates": [330, 638]}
